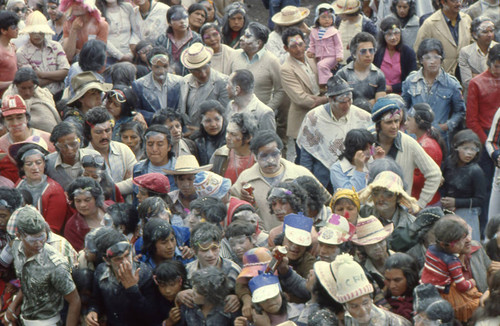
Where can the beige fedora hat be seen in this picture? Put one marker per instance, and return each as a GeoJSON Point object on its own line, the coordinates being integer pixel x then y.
{"type": "Point", "coordinates": [290, 15]}
{"type": "Point", "coordinates": [36, 23]}
{"type": "Point", "coordinates": [196, 56]}
{"type": "Point", "coordinates": [86, 81]}
{"type": "Point", "coordinates": [187, 164]}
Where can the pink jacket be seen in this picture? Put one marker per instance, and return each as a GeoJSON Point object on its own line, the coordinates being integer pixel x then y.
{"type": "Point", "coordinates": [329, 46]}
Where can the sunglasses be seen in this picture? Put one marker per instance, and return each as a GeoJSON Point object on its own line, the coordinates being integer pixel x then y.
{"type": "Point", "coordinates": [18, 10]}
{"type": "Point", "coordinates": [93, 160]}
{"type": "Point", "coordinates": [118, 249]}
{"type": "Point", "coordinates": [118, 95]}
{"type": "Point", "coordinates": [365, 51]}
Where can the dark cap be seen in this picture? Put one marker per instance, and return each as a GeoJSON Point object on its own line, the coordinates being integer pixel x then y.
{"type": "Point", "coordinates": [336, 86]}
{"type": "Point", "coordinates": [29, 220]}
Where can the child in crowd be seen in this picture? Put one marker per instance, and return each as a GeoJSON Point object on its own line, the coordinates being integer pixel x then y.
{"type": "Point", "coordinates": [87, 257]}
{"type": "Point", "coordinates": [325, 44]}
{"type": "Point", "coordinates": [242, 237]}
{"type": "Point", "coordinates": [443, 269]}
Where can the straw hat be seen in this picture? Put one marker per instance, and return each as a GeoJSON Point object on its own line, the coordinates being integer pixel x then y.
{"type": "Point", "coordinates": [298, 229]}
{"type": "Point", "coordinates": [254, 260]}
{"type": "Point", "coordinates": [290, 15]}
{"type": "Point", "coordinates": [336, 231]}
{"type": "Point", "coordinates": [86, 81]}
{"type": "Point", "coordinates": [346, 6]}
{"type": "Point", "coordinates": [344, 279]}
{"type": "Point", "coordinates": [36, 23]}
{"type": "Point", "coordinates": [392, 182]}
{"type": "Point", "coordinates": [187, 164]}
{"type": "Point", "coordinates": [370, 230]}
{"type": "Point", "coordinates": [196, 56]}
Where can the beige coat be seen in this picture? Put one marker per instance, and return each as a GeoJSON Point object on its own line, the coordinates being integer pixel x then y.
{"type": "Point", "coordinates": [435, 27]}
{"type": "Point", "coordinates": [298, 87]}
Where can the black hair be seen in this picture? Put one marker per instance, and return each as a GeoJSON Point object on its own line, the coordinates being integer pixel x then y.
{"type": "Point", "coordinates": [13, 198]}
{"type": "Point", "coordinates": [203, 233]}
{"type": "Point", "coordinates": [448, 231]}
{"type": "Point", "coordinates": [131, 100]}
{"type": "Point", "coordinates": [162, 130]}
{"type": "Point", "coordinates": [461, 137]}
{"type": "Point", "coordinates": [493, 226]}
{"type": "Point", "coordinates": [122, 73]}
{"type": "Point", "coordinates": [316, 197]}
{"type": "Point", "coordinates": [171, 270]}
{"type": "Point", "coordinates": [356, 140]}
{"type": "Point", "coordinates": [247, 125]}
{"type": "Point", "coordinates": [387, 24]}
{"type": "Point", "coordinates": [62, 129]}
{"type": "Point", "coordinates": [244, 79]}
{"type": "Point", "coordinates": [239, 228]}
{"type": "Point", "coordinates": [195, 7]}
{"type": "Point", "coordinates": [140, 45]}
{"type": "Point", "coordinates": [124, 214]}
{"type": "Point", "coordinates": [208, 26]}
{"type": "Point", "coordinates": [212, 283]}
{"type": "Point", "coordinates": [231, 10]}
{"type": "Point", "coordinates": [24, 149]}
{"type": "Point", "coordinates": [213, 210]}
{"type": "Point", "coordinates": [290, 32]}
{"type": "Point", "coordinates": [408, 265]}
{"type": "Point", "coordinates": [105, 238]}
{"type": "Point", "coordinates": [136, 127]}
{"type": "Point", "coordinates": [429, 45]}
{"type": "Point", "coordinates": [211, 105]}
{"type": "Point", "coordinates": [24, 74]}
{"type": "Point", "coordinates": [263, 138]}
{"type": "Point", "coordinates": [260, 32]}
{"type": "Point", "coordinates": [424, 116]}
{"type": "Point", "coordinates": [89, 184]}
{"type": "Point", "coordinates": [92, 56]}
{"type": "Point", "coordinates": [360, 38]}
{"type": "Point", "coordinates": [7, 19]}
{"type": "Point", "coordinates": [411, 12]}
{"type": "Point", "coordinates": [442, 311]}
{"type": "Point", "coordinates": [297, 197]}
{"type": "Point", "coordinates": [324, 299]}
{"type": "Point", "coordinates": [493, 54]}
{"type": "Point", "coordinates": [83, 278]}
{"type": "Point", "coordinates": [161, 117]}
{"type": "Point", "coordinates": [150, 208]}
{"type": "Point", "coordinates": [94, 116]}
{"type": "Point", "coordinates": [156, 229]}
{"type": "Point", "coordinates": [170, 12]}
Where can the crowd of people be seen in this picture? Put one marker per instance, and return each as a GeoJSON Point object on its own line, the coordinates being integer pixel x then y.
{"type": "Point", "coordinates": [168, 162]}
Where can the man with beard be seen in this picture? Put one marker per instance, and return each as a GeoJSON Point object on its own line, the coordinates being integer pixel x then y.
{"type": "Point", "coordinates": [270, 170]}
{"type": "Point", "coordinates": [84, 23]}
{"type": "Point", "coordinates": [118, 157]}
{"type": "Point", "coordinates": [158, 89]}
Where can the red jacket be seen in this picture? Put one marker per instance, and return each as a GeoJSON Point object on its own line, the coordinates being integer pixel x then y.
{"type": "Point", "coordinates": [432, 148]}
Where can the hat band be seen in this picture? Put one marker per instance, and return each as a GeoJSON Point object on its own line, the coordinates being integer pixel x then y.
{"type": "Point", "coordinates": [195, 62]}
{"type": "Point", "coordinates": [370, 234]}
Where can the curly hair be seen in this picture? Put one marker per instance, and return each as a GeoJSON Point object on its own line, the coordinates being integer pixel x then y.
{"type": "Point", "coordinates": [212, 283]}
{"type": "Point", "coordinates": [13, 198]}
{"type": "Point", "coordinates": [246, 125]}
{"type": "Point", "coordinates": [316, 197]}
{"type": "Point", "coordinates": [89, 184]}
{"type": "Point", "coordinates": [295, 195]}
{"type": "Point", "coordinates": [93, 117]}
{"type": "Point", "coordinates": [124, 214]}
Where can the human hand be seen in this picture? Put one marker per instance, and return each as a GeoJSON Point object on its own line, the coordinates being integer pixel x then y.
{"type": "Point", "coordinates": [246, 196]}
{"type": "Point", "coordinates": [260, 319]}
{"type": "Point", "coordinates": [388, 88]}
{"type": "Point", "coordinates": [173, 317]}
{"type": "Point", "coordinates": [77, 24]}
{"type": "Point", "coordinates": [232, 303]}
{"type": "Point", "coordinates": [126, 57]}
{"type": "Point", "coordinates": [125, 275]}
{"type": "Point", "coordinates": [190, 130]}
{"type": "Point", "coordinates": [473, 281]}
{"type": "Point", "coordinates": [246, 310]}
{"type": "Point", "coordinates": [187, 253]}
{"type": "Point", "coordinates": [483, 298]}
{"type": "Point", "coordinates": [185, 297]}
{"type": "Point", "coordinates": [310, 55]}
{"type": "Point", "coordinates": [241, 321]}
{"type": "Point", "coordinates": [379, 153]}
{"type": "Point", "coordinates": [92, 319]}
{"type": "Point", "coordinates": [448, 202]}
{"type": "Point", "coordinates": [283, 267]}
{"type": "Point", "coordinates": [359, 160]}
{"type": "Point", "coordinates": [443, 126]}
{"type": "Point", "coordinates": [140, 118]}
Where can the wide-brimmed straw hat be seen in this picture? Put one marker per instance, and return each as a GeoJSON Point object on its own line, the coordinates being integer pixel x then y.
{"type": "Point", "coordinates": [344, 279]}
{"type": "Point", "coordinates": [85, 81]}
{"type": "Point", "coordinates": [370, 231]}
{"type": "Point", "coordinates": [196, 56]}
{"type": "Point", "coordinates": [187, 164]}
{"type": "Point", "coordinates": [290, 15]}
{"type": "Point", "coordinates": [346, 6]}
{"type": "Point", "coordinates": [392, 182]}
{"type": "Point", "coordinates": [36, 23]}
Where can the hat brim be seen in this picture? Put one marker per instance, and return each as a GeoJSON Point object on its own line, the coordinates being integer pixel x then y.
{"type": "Point", "coordinates": [278, 17]}
{"type": "Point", "coordinates": [14, 148]}
{"type": "Point", "coordinates": [375, 237]}
{"type": "Point", "coordinates": [332, 237]}
{"type": "Point", "coordinates": [265, 292]}
{"type": "Point", "coordinates": [298, 236]}
{"type": "Point", "coordinates": [103, 87]}
{"type": "Point", "coordinates": [39, 28]}
{"type": "Point", "coordinates": [325, 276]}
{"type": "Point", "coordinates": [183, 171]}
{"type": "Point", "coordinates": [251, 271]}
{"type": "Point", "coordinates": [195, 65]}
{"type": "Point", "coordinates": [14, 111]}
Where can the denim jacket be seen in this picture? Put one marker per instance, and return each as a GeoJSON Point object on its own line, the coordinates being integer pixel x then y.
{"type": "Point", "coordinates": [148, 98]}
{"type": "Point", "coordinates": [445, 98]}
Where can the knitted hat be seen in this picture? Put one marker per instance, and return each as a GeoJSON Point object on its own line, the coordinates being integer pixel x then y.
{"type": "Point", "coordinates": [29, 220]}
{"type": "Point", "coordinates": [336, 85]}
{"type": "Point", "coordinates": [13, 104]}
{"type": "Point", "coordinates": [264, 286]}
{"type": "Point", "coordinates": [383, 106]}
{"type": "Point", "coordinates": [345, 193]}
{"type": "Point", "coordinates": [254, 260]}
{"type": "Point", "coordinates": [36, 23]}
{"type": "Point", "coordinates": [336, 231]}
{"type": "Point", "coordinates": [290, 15]}
{"type": "Point", "coordinates": [347, 6]}
{"type": "Point", "coordinates": [209, 184]}
{"type": "Point", "coordinates": [196, 56]}
{"type": "Point", "coordinates": [344, 279]}
{"type": "Point", "coordinates": [156, 182]}
{"type": "Point", "coordinates": [187, 164]}
{"type": "Point", "coordinates": [298, 228]}
{"type": "Point", "coordinates": [370, 231]}
{"type": "Point", "coordinates": [392, 182]}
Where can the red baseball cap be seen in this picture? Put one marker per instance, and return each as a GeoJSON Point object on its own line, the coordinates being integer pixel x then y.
{"type": "Point", "coordinates": [156, 182]}
{"type": "Point", "coordinates": [13, 104]}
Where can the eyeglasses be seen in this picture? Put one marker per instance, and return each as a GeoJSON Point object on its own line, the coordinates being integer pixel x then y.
{"type": "Point", "coordinates": [264, 156]}
{"type": "Point", "coordinates": [210, 246]}
{"type": "Point", "coordinates": [33, 240]}
{"type": "Point", "coordinates": [365, 51]}
{"type": "Point", "coordinates": [71, 145]}
{"type": "Point", "coordinates": [118, 95]}
{"type": "Point", "coordinates": [118, 249]}
{"type": "Point", "coordinates": [18, 10]}
{"type": "Point", "coordinates": [344, 98]}
{"type": "Point", "coordinates": [467, 149]}
{"type": "Point", "coordinates": [383, 192]}
{"type": "Point", "coordinates": [431, 57]}
{"type": "Point", "coordinates": [93, 160]}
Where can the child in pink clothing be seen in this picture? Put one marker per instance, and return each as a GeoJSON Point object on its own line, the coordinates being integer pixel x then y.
{"type": "Point", "coordinates": [325, 44]}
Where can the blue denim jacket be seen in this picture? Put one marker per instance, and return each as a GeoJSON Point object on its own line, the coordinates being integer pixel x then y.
{"type": "Point", "coordinates": [445, 98]}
